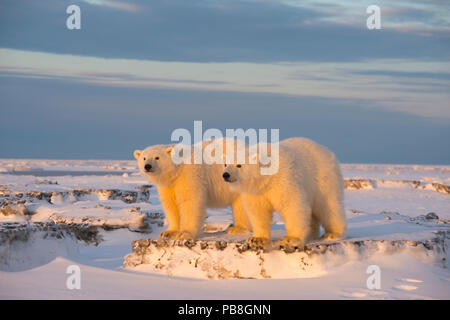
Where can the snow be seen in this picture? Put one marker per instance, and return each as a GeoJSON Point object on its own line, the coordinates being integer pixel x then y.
{"type": "Point", "coordinates": [114, 199]}
{"type": "Point", "coordinates": [343, 282]}
{"type": "Point", "coordinates": [40, 248]}
{"type": "Point", "coordinates": [237, 260]}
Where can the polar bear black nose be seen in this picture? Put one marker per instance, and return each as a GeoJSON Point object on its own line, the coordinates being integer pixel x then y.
{"type": "Point", "coordinates": [148, 167]}
{"type": "Point", "coordinates": [226, 176]}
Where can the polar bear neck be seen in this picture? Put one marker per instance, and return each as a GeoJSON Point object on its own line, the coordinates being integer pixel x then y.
{"type": "Point", "coordinates": [167, 178]}
{"type": "Point", "coordinates": [257, 185]}
{"type": "Point", "coordinates": [262, 183]}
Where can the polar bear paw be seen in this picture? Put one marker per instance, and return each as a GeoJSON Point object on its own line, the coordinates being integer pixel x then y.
{"type": "Point", "coordinates": [257, 242]}
{"type": "Point", "coordinates": [291, 243]}
{"type": "Point", "coordinates": [332, 236]}
{"type": "Point", "coordinates": [169, 234]}
{"type": "Point", "coordinates": [237, 230]}
{"type": "Point", "coordinates": [185, 235]}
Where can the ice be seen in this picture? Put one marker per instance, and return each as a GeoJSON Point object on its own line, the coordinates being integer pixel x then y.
{"type": "Point", "coordinates": [398, 219]}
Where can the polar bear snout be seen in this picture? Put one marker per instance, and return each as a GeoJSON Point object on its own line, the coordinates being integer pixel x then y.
{"type": "Point", "coordinates": [226, 176]}
{"type": "Point", "coordinates": [148, 167]}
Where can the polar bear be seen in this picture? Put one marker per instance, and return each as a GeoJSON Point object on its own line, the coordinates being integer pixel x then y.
{"type": "Point", "coordinates": [186, 190]}
{"type": "Point", "coordinates": [307, 190]}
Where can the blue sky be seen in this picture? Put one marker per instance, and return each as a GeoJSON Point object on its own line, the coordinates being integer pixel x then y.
{"type": "Point", "coordinates": [139, 69]}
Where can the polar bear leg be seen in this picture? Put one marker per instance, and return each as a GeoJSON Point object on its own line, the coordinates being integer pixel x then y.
{"type": "Point", "coordinates": [315, 228]}
{"type": "Point", "coordinates": [241, 222]}
{"type": "Point", "coordinates": [171, 212]}
{"type": "Point", "coordinates": [259, 213]}
{"type": "Point", "coordinates": [297, 219]}
{"type": "Point", "coordinates": [332, 217]}
{"type": "Point", "coordinates": [192, 215]}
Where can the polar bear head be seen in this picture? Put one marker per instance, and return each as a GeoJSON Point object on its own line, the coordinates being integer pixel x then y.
{"type": "Point", "coordinates": [245, 176]}
{"type": "Point", "coordinates": [155, 163]}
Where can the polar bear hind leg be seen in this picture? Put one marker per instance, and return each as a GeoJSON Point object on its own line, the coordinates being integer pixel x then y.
{"type": "Point", "coordinates": [330, 213]}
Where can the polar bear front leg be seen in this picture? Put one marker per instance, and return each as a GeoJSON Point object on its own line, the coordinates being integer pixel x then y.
{"type": "Point", "coordinates": [297, 217]}
{"type": "Point", "coordinates": [241, 223]}
{"type": "Point", "coordinates": [167, 197]}
{"type": "Point", "coordinates": [192, 215]}
{"type": "Point", "coordinates": [259, 213]}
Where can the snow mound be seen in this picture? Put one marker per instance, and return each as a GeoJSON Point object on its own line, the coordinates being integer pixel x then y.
{"type": "Point", "coordinates": [357, 184]}
{"type": "Point", "coordinates": [102, 218]}
{"type": "Point", "coordinates": [219, 259]}
{"type": "Point", "coordinates": [106, 208]}
{"type": "Point", "coordinates": [26, 246]}
{"type": "Point", "coordinates": [126, 196]}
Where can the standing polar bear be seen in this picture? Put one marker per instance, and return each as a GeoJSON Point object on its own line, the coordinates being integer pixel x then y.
{"type": "Point", "coordinates": [307, 190]}
{"type": "Point", "coordinates": [186, 190]}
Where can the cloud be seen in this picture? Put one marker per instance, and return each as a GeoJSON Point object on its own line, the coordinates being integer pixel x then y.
{"type": "Point", "coordinates": [45, 117]}
{"type": "Point", "coordinates": [385, 82]}
{"type": "Point", "coordinates": [114, 4]}
{"type": "Point", "coordinates": [415, 17]}
{"type": "Point", "coordinates": [408, 74]}
{"type": "Point", "coordinates": [223, 31]}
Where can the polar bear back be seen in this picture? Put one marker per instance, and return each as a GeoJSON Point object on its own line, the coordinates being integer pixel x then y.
{"type": "Point", "coordinates": [311, 165]}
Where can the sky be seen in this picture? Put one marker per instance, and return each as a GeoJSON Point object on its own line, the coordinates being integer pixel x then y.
{"type": "Point", "coordinates": [137, 70]}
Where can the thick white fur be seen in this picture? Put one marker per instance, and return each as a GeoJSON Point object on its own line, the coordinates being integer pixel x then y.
{"type": "Point", "coordinates": [307, 191]}
{"type": "Point", "coordinates": [186, 190]}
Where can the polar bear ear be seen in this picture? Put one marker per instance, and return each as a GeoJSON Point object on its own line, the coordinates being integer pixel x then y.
{"type": "Point", "coordinates": [169, 150]}
{"type": "Point", "coordinates": [137, 154]}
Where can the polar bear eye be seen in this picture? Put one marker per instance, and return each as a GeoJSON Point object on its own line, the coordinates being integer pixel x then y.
{"type": "Point", "coordinates": [238, 166]}
{"type": "Point", "coordinates": [144, 159]}
{"type": "Point", "coordinates": [225, 165]}
{"type": "Point", "coordinates": [157, 158]}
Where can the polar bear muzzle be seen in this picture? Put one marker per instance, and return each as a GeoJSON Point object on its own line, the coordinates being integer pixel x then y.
{"type": "Point", "coordinates": [226, 176]}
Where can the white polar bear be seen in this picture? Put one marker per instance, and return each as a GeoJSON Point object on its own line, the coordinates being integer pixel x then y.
{"type": "Point", "coordinates": [186, 190]}
{"type": "Point", "coordinates": [307, 190]}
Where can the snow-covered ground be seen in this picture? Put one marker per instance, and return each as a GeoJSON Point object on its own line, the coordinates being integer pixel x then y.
{"type": "Point", "coordinates": [57, 213]}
